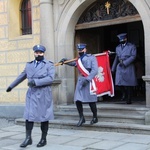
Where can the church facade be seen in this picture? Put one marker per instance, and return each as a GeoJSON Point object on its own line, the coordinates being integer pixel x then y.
{"type": "Point", "coordinates": [59, 25]}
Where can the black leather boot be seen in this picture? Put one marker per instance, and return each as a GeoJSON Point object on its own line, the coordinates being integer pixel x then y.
{"type": "Point", "coordinates": [123, 91]}
{"type": "Point", "coordinates": [94, 120]}
{"type": "Point", "coordinates": [94, 111]}
{"type": "Point", "coordinates": [43, 140]}
{"type": "Point", "coordinates": [129, 95]}
{"type": "Point", "coordinates": [81, 121]}
{"type": "Point", "coordinates": [28, 140]}
{"type": "Point", "coordinates": [129, 102]}
{"type": "Point", "coordinates": [44, 129]}
{"type": "Point", "coordinates": [123, 97]}
{"type": "Point", "coordinates": [80, 111]}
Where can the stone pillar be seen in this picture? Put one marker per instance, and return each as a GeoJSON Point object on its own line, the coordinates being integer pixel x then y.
{"type": "Point", "coordinates": [47, 38]}
{"type": "Point", "coordinates": [147, 83]}
{"type": "Point", "coordinates": [47, 28]}
{"type": "Point", "coordinates": [147, 118]}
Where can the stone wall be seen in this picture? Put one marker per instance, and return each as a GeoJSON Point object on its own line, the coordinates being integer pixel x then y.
{"type": "Point", "coordinates": [15, 49]}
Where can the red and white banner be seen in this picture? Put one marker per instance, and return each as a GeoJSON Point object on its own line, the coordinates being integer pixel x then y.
{"type": "Point", "coordinates": [102, 84]}
{"type": "Point", "coordinates": [103, 79]}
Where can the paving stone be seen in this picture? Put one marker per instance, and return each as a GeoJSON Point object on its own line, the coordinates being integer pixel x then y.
{"type": "Point", "coordinates": [106, 144]}
{"type": "Point", "coordinates": [68, 139]}
{"type": "Point", "coordinates": [84, 142]}
{"type": "Point", "coordinates": [132, 146]}
{"type": "Point", "coordinates": [143, 139]}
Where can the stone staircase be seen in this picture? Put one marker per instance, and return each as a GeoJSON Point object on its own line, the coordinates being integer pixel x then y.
{"type": "Point", "coordinates": [112, 117]}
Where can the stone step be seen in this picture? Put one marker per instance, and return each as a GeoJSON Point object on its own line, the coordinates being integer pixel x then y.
{"type": "Point", "coordinates": [108, 109]}
{"type": "Point", "coordinates": [100, 126]}
{"type": "Point", "coordinates": [112, 117]}
{"type": "Point", "coordinates": [133, 114]}
{"type": "Point", "coordinates": [103, 117]}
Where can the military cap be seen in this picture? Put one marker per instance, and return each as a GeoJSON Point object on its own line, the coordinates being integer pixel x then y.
{"type": "Point", "coordinates": [81, 46]}
{"type": "Point", "coordinates": [39, 48]}
{"type": "Point", "coordinates": [122, 36]}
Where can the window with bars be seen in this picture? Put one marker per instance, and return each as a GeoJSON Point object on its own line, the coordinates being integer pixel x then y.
{"type": "Point", "coordinates": [26, 17]}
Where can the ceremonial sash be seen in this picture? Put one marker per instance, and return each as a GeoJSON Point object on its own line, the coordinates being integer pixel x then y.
{"type": "Point", "coordinates": [85, 73]}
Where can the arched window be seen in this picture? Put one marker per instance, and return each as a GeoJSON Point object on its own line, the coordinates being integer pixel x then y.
{"type": "Point", "coordinates": [26, 17]}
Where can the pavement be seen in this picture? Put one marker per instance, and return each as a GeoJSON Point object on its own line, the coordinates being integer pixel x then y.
{"type": "Point", "coordinates": [11, 136]}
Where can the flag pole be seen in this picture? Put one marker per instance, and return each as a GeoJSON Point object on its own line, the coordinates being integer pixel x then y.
{"type": "Point", "coordinates": [74, 59]}
{"type": "Point", "coordinates": [65, 62]}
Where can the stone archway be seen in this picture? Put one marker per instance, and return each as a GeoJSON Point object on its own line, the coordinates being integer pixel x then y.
{"type": "Point", "coordinates": [65, 40]}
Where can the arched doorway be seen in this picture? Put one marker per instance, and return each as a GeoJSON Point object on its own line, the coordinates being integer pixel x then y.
{"type": "Point", "coordinates": [65, 38]}
{"type": "Point", "coordinates": [99, 26]}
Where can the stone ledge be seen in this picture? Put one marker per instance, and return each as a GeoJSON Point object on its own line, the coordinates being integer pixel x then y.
{"type": "Point", "coordinates": [146, 78]}
{"type": "Point", "coordinates": [12, 111]}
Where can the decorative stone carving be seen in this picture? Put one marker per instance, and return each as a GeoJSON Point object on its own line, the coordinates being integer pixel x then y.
{"type": "Point", "coordinates": [98, 11]}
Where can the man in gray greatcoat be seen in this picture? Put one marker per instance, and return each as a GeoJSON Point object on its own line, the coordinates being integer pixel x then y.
{"type": "Point", "coordinates": [39, 103]}
{"type": "Point", "coordinates": [124, 67]}
{"type": "Point", "coordinates": [82, 92]}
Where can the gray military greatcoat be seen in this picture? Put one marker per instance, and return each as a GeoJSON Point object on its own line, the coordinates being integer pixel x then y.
{"type": "Point", "coordinates": [39, 102]}
{"type": "Point", "coordinates": [125, 75]}
{"type": "Point", "coordinates": [83, 93]}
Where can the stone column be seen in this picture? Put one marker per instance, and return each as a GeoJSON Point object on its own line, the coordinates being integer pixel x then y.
{"type": "Point", "coordinates": [47, 27]}
{"type": "Point", "coordinates": [47, 38]}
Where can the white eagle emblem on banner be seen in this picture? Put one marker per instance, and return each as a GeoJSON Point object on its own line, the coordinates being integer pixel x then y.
{"type": "Point", "coordinates": [100, 75]}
